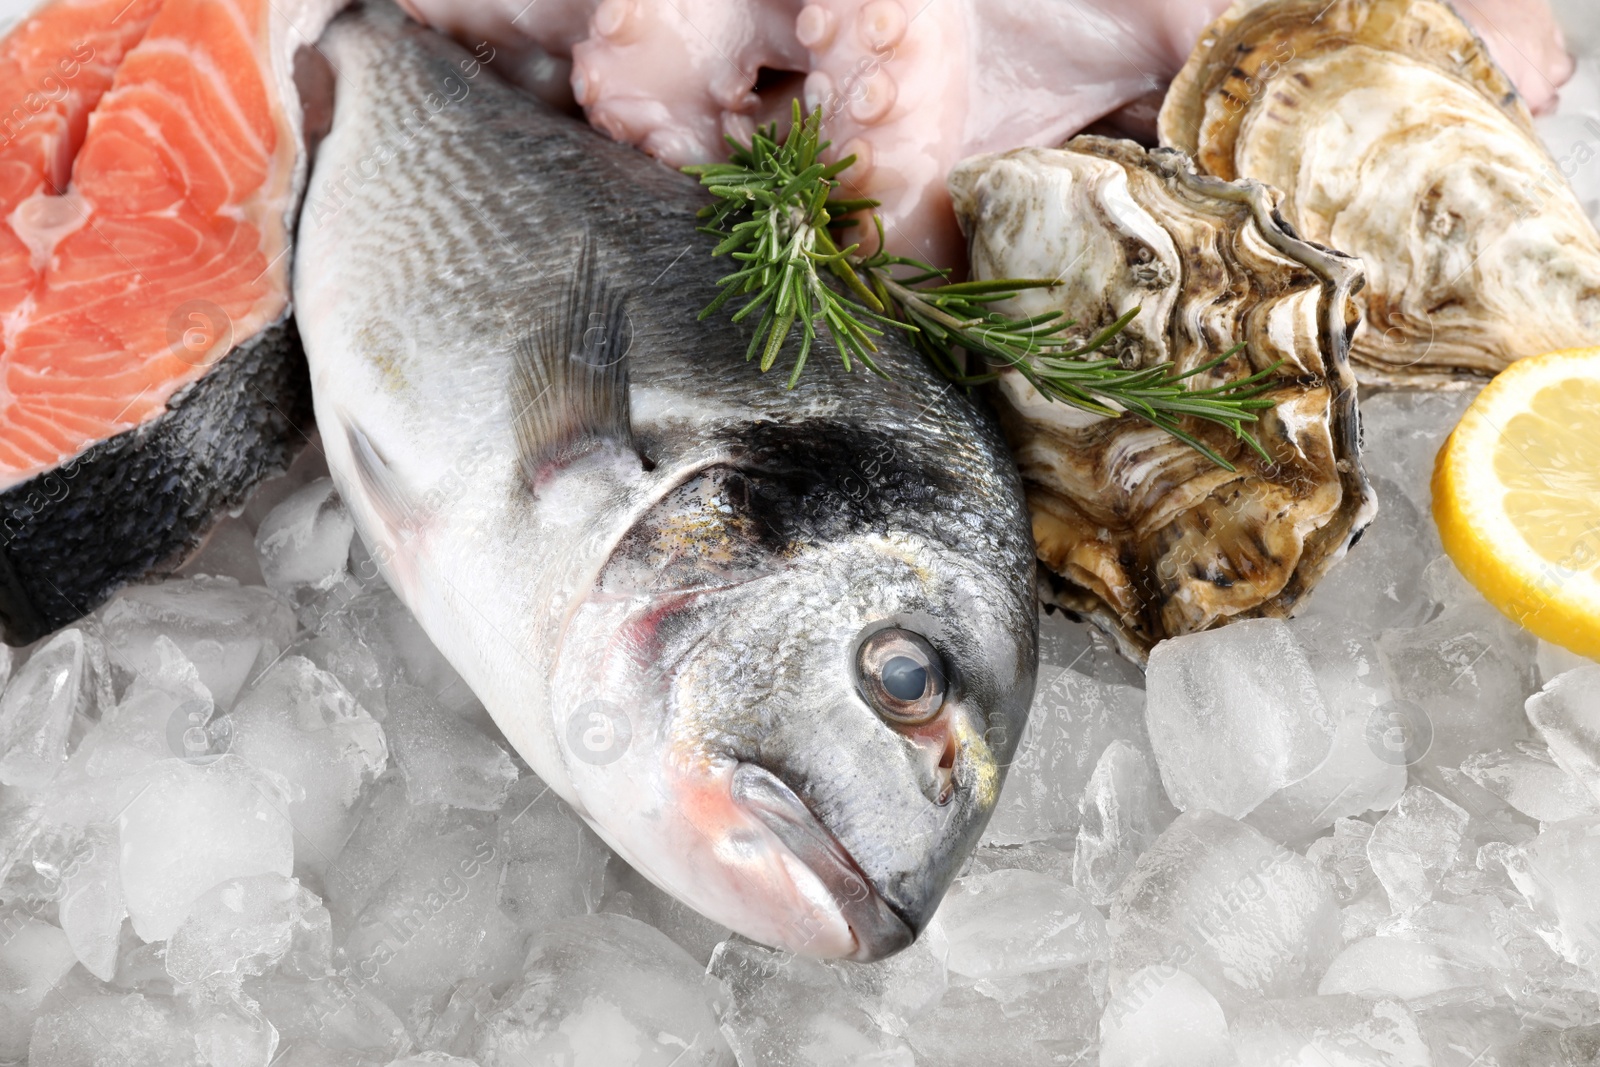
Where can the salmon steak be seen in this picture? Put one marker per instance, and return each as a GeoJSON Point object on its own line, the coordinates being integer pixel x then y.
{"type": "Point", "coordinates": [151, 161]}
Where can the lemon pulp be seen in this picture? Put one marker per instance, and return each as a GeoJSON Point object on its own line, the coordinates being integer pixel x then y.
{"type": "Point", "coordinates": [1517, 496]}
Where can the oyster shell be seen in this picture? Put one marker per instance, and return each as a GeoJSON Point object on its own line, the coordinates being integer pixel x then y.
{"type": "Point", "coordinates": [1137, 530]}
{"type": "Point", "coordinates": [1394, 137]}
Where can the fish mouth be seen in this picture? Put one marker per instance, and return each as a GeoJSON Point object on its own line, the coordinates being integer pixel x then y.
{"type": "Point", "coordinates": [878, 929]}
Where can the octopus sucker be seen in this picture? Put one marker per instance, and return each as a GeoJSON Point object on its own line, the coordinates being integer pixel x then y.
{"type": "Point", "coordinates": [1135, 530]}
{"type": "Point", "coordinates": [1395, 136]}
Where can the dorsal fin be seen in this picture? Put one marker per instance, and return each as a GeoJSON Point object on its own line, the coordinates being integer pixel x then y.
{"type": "Point", "coordinates": [569, 378]}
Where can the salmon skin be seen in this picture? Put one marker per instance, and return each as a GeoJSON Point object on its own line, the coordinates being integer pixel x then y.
{"type": "Point", "coordinates": [776, 646]}
{"type": "Point", "coordinates": [139, 502]}
{"type": "Point", "coordinates": [151, 163]}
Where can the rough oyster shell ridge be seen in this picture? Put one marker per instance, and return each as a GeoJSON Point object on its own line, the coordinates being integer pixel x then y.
{"type": "Point", "coordinates": [1395, 138]}
{"type": "Point", "coordinates": [1136, 530]}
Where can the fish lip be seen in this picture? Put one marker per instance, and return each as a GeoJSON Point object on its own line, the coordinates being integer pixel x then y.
{"type": "Point", "coordinates": [879, 930]}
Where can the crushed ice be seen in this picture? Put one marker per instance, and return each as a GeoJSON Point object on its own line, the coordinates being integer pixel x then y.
{"type": "Point", "coordinates": [249, 816]}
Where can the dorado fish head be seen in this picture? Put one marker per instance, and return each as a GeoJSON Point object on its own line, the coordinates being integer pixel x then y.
{"type": "Point", "coordinates": [791, 704]}
{"type": "Point", "coordinates": [775, 645]}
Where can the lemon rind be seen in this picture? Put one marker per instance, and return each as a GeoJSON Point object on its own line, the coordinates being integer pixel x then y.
{"type": "Point", "coordinates": [1559, 604]}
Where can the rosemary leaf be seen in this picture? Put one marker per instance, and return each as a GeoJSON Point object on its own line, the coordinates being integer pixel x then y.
{"type": "Point", "coordinates": [774, 213]}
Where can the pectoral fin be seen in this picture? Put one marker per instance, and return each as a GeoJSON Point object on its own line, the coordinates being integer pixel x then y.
{"type": "Point", "coordinates": [390, 500]}
{"type": "Point", "coordinates": [569, 380]}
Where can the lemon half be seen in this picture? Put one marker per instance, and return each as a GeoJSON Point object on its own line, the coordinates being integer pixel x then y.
{"type": "Point", "coordinates": [1516, 495]}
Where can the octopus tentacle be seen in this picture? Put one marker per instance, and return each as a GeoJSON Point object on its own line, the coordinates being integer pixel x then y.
{"type": "Point", "coordinates": [910, 87]}
{"type": "Point", "coordinates": [675, 78]}
{"type": "Point", "coordinates": [895, 92]}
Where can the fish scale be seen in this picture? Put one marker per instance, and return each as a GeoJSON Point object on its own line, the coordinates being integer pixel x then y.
{"type": "Point", "coordinates": [544, 498]}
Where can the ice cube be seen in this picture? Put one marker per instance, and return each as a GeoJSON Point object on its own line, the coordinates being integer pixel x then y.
{"type": "Point", "coordinates": [1557, 873]}
{"type": "Point", "coordinates": [1164, 1017]}
{"type": "Point", "coordinates": [1402, 431]}
{"type": "Point", "coordinates": [1083, 647]}
{"type": "Point", "coordinates": [1051, 1024]}
{"type": "Point", "coordinates": [403, 650]}
{"type": "Point", "coordinates": [1351, 780]}
{"type": "Point", "coordinates": [1412, 846]}
{"type": "Point", "coordinates": [141, 967]}
{"type": "Point", "coordinates": [896, 992]}
{"type": "Point", "coordinates": [1379, 583]}
{"type": "Point", "coordinates": [789, 1011]}
{"type": "Point", "coordinates": [556, 868]}
{"type": "Point", "coordinates": [1529, 781]}
{"type": "Point", "coordinates": [1331, 1031]}
{"type": "Point", "coordinates": [435, 921]}
{"type": "Point", "coordinates": [1073, 718]}
{"type": "Point", "coordinates": [1244, 915]}
{"type": "Point", "coordinates": [195, 826]}
{"type": "Point", "coordinates": [1009, 923]}
{"type": "Point", "coordinates": [1362, 916]}
{"type": "Point", "coordinates": [34, 956]}
{"type": "Point", "coordinates": [315, 1054]}
{"type": "Point", "coordinates": [1467, 934]}
{"type": "Point", "coordinates": [536, 893]}
{"type": "Point", "coordinates": [232, 1034]}
{"type": "Point", "coordinates": [1357, 775]}
{"type": "Point", "coordinates": [20, 814]}
{"type": "Point", "coordinates": [1045, 857]}
{"type": "Point", "coordinates": [1465, 674]}
{"type": "Point", "coordinates": [602, 990]}
{"type": "Point", "coordinates": [65, 679]}
{"type": "Point", "coordinates": [388, 826]}
{"type": "Point", "coordinates": [307, 466]}
{"type": "Point", "coordinates": [1473, 1034]}
{"type": "Point", "coordinates": [298, 722]}
{"type": "Point", "coordinates": [224, 628]}
{"type": "Point", "coordinates": [91, 904]}
{"type": "Point", "coordinates": [111, 1030]}
{"type": "Point", "coordinates": [1538, 979]}
{"type": "Point", "coordinates": [1394, 966]}
{"type": "Point", "coordinates": [1122, 811]}
{"type": "Point", "coordinates": [1553, 660]}
{"type": "Point", "coordinates": [433, 1059]}
{"type": "Point", "coordinates": [1342, 856]}
{"type": "Point", "coordinates": [1489, 817]}
{"type": "Point", "coordinates": [336, 1015]}
{"type": "Point", "coordinates": [448, 1028]}
{"type": "Point", "coordinates": [1344, 660]}
{"type": "Point", "coordinates": [445, 759]}
{"type": "Point", "coordinates": [229, 551]}
{"type": "Point", "coordinates": [1235, 715]}
{"type": "Point", "coordinates": [1566, 713]}
{"type": "Point", "coordinates": [1577, 1046]}
{"type": "Point", "coordinates": [305, 540]}
{"type": "Point", "coordinates": [242, 927]}
{"type": "Point", "coordinates": [164, 713]}
{"type": "Point", "coordinates": [338, 648]}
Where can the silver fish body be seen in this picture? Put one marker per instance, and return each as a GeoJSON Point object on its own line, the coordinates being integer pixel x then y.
{"type": "Point", "coordinates": [776, 646]}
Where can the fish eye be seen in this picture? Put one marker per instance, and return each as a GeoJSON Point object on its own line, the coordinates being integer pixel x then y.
{"type": "Point", "coordinates": [901, 676]}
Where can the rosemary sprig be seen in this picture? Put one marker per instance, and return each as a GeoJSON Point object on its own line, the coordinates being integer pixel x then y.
{"type": "Point", "coordinates": [775, 215]}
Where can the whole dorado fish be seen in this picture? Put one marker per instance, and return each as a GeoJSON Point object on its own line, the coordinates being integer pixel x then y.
{"type": "Point", "coordinates": [776, 647]}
